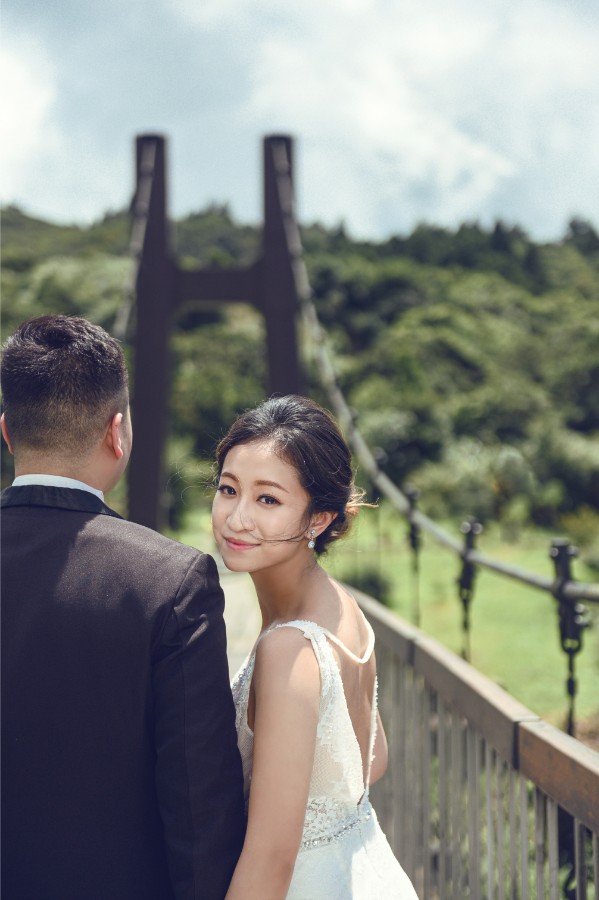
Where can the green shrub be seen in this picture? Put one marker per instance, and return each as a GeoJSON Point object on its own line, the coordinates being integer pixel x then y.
{"type": "Point", "coordinates": [369, 580]}
{"type": "Point", "coordinates": [582, 528]}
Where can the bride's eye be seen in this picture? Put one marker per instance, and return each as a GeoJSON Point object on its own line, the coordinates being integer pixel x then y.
{"type": "Point", "coordinates": [226, 489]}
{"type": "Point", "coordinates": [268, 500]}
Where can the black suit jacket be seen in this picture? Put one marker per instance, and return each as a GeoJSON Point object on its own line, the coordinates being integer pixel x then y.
{"type": "Point", "coordinates": [121, 775]}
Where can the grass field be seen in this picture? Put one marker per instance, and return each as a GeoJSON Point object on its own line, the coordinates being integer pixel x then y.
{"type": "Point", "coordinates": [514, 636]}
{"type": "Point", "coordinates": [514, 628]}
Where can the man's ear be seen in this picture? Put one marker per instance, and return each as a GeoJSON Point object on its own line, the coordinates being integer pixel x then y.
{"type": "Point", "coordinates": [5, 433]}
{"type": "Point", "coordinates": [113, 437]}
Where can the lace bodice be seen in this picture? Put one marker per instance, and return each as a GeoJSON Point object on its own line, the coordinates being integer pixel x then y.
{"type": "Point", "coordinates": [338, 795]}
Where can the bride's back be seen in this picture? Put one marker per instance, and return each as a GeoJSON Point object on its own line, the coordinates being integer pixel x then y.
{"type": "Point", "coordinates": [351, 641]}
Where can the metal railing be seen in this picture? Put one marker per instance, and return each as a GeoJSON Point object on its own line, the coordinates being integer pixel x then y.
{"type": "Point", "coordinates": [482, 800]}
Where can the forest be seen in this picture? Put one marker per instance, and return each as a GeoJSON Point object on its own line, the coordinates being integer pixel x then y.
{"type": "Point", "coordinates": [469, 355]}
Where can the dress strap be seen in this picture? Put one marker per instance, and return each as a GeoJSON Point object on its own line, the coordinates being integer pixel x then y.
{"type": "Point", "coordinates": [309, 629]}
{"type": "Point", "coordinates": [300, 624]}
{"type": "Point", "coordinates": [308, 626]}
{"type": "Point", "coordinates": [341, 645]}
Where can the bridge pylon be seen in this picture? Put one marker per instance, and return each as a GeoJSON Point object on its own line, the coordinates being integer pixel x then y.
{"type": "Point", "coordinates": [161, 285]}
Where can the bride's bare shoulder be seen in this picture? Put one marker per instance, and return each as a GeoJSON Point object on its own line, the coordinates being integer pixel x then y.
{"type": "Point", "coordinates": [284, 648]}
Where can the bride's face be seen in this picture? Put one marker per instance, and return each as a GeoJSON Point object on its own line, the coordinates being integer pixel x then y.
{"type": "Point", "coordinates": [259, 511]}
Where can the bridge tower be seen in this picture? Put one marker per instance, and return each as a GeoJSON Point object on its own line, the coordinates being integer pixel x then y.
{"type": "Point", "coordinates": [161, 285]}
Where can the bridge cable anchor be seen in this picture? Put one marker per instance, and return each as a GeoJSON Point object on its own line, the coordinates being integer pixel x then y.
{"type": "Point", "coordinates": [471, 528]}
{"type": "Point", "coordinates": [415, 542]}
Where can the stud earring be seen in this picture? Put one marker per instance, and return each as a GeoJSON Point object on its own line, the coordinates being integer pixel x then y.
{"type": "Point", "coordinates": [312, 542]}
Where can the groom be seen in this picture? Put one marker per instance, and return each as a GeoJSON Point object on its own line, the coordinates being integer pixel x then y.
{"type": "Point", "coordinates": [121, 776]}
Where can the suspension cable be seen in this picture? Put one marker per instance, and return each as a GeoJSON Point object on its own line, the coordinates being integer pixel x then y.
{"type": "Point", "coordinates": [140, 207]}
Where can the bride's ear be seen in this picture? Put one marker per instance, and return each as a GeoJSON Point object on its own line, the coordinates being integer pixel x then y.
{"type": "Point", "coordinates": [320, 521]}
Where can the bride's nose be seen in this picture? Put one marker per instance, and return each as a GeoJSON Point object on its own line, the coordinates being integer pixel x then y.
{"type": "Point", "coordinates": [239, 519]}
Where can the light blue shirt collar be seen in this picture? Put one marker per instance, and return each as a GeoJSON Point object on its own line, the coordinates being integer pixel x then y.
{"type": "Point", "coordinates": [56, 481]}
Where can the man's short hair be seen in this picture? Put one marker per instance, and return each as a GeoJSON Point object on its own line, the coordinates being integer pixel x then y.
{"type": "Point", "coordinates": [63, 379]}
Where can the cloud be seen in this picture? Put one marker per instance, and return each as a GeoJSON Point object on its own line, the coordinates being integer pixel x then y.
{"type": "Point", "coordinates": [52, 165]}
{"type": "Point", "coordinates": [440, 111]}
{"type": "Point", "coordinates": [404, 110]}
{"type": "Point", "coordinates": [372, 131]}
{"type": "Point", "coordinates": [26, 124]}
{"type": "Point", "coordinates": [425, 110]}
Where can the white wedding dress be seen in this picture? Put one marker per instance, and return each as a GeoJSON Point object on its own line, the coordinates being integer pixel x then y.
{"type": "Point", "coordinates": [344, 854]}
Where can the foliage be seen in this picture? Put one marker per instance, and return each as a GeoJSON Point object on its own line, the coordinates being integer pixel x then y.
{"type": "Point", "coordinates": [208, 390]}
{"type": "Point", "coordinates": [92, 287]}
{"type": "Point", "coordinates": [27, 240]}
{"type": "Point", "coordinates": [212, 238]}
{"type": "Point", "coordinates": [582, 527]}
{"type": "Point", "coordinates": [452, 371]}
{"type": "Point", "coordinates": [370, 580]}
{"type": "Point", "coordinates": [469, 356]}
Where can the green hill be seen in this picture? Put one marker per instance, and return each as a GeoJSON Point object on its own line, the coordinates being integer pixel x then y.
{"type": "Point", "coordinates": [470, 355]}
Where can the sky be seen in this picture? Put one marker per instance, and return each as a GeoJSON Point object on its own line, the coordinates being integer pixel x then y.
{"type": "Point", "coordinates": [403, 111]}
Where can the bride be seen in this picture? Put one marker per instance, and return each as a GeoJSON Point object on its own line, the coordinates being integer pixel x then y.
{"type": "Point", "coordinates": [309, 733]}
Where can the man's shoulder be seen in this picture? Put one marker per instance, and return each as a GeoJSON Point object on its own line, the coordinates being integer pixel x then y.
{"type": "Point", "coordinates": [78, 514]}
{"type": "Point", "coordinates": [154, 564]}
{"type": "Point", "coordinates": [131, 534]}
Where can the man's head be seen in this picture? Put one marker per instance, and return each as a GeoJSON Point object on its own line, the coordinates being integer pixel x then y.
{"type": "Point", "coordinates": [65, 391]}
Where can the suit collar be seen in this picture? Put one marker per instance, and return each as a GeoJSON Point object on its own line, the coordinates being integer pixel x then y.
{"type": "Point", "coordinates": [56, 497]}
{"type": "Point", "coordinates": [55, 481]}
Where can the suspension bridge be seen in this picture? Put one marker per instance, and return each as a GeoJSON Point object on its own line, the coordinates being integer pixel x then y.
{"type": "Point", "coordinates": [482, 798]}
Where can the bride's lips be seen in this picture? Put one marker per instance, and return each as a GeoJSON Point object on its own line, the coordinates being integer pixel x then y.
{"type": "Point", "coordinates": [238, 545]}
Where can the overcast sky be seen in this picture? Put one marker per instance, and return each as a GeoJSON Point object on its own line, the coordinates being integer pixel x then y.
{"type": "Point", "coordinates": [404, 111]}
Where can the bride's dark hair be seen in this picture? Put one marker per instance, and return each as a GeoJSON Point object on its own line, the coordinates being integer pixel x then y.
{"type": "Point", "coordinates": [307, 437]}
